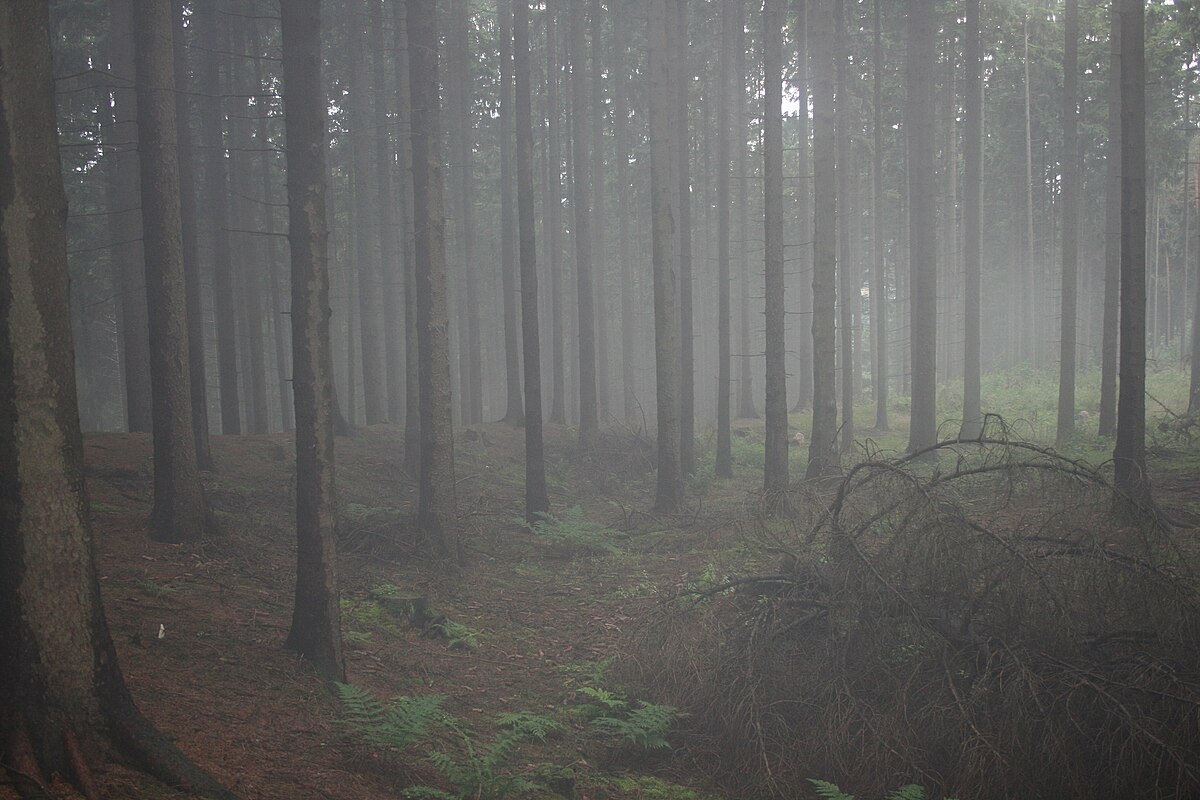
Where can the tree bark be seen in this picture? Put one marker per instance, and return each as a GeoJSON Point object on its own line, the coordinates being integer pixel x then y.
{"type": "Point", "coordinates": [775, 464]}
{"type": "Point", "coordinates": [687, 357]}
{"type": "Point", "coordinates": [63, 700]}
{"type": "Point", "coordinates": [412, 383]}
{"type": "Point", "coordinates": [436, 509]}
{"type": "Point", "coordinates": [536, 501]}
{"type": "Point", "coordinates": [316, 629]}
{"type": "Point", "coordinates": [620, 20]}
{"type": "Point", "coordinates": [125, 227]}
{"type": "Point", "coordinates": [822, 448]}
{"type": "Point", "coordinates": [804, 261]}
{"type": "Point", "coordinates": [191, 256]}
{"type": "Point", "coordinates": [180, 513]}
{"type": "Point", "coordinates": [553, 206]}
{"type": "Point", "coordinates": [582, 225]}
{"type": "Point", "coordinates": [745, 383]}
{"type": "Point", "coordinates": [1070, 223]}
{"type": "Point", "coordinates": [1129, 453]}
{"type": "Point", "coordinates": [919, 119]}
{"type": "Point", "coordinates": [514, 409]}
{"type": "Point", "coordinates": [846, 265]}
{"type": "Point", "coordinates": [669, 488]}
{"type": "Point", "coordinates": [1110, 334]}
{"type": "Point", "coordinates": [724, 459]}
{"type": "Point", "coordinates": [879, 289]}
{"type": "Point", "coordinates": [972, 426]}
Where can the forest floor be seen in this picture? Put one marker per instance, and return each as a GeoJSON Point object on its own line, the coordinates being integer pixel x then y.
{"type": "Point", "coordinates": [527, 627]}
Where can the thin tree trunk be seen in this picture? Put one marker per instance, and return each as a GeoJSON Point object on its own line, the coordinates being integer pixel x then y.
{"type": "Point", "coordinates": [366, 220]}
{"type": "Point", "coordinates": [412, 394]}
{"type": "Point", "coordinates": [620, 18]}
{"type": "Point", "coordinates": [879, 289]}
{"type": "Point", "coordinates": [972, 426]}
{"type": "Point", "coordinates": [600, 215]}
{"type": "Point", "coordinates": [553, 205]}
{"type": "Point", "coordinates": [191, 257]}
{"type": "Point", "coordinates": [724, 459]}
{"type": "Point", "coordinates": [745, 383]}
{"type": "Point", "coordinates": [846, 244]}
{"type": "Point", "coordinates": [536, 501]}
{"type": "Point", "coordinates": [436, 510]}
{"type": "Point", "coordinates": [822, 448]}
{"type": "Point", "coordinates": [1110, 334]}
{"type": "Point", "coordinates": [663, 184]}
{"type": "Point", "coordinates": [919, 121]}
{"type": "Point", "coordinates": [1030, 326]}
{"type": "Point", "coordinates": [687, 369]}
{"type": "Point", "coordinates": [216, 181]}
{"type": "Point", "coordinates": [581, 208]}
{"type": "Point", "coordinates": [125, 222]}
{"type": "Point", "coordinates": [775, 464]}
{"type": "Point", "coordinates": [804, 261]}
{"type": "Point", "coordinates": [1070, 254]}
{"type": "Point", "coordinates": [514, 409]}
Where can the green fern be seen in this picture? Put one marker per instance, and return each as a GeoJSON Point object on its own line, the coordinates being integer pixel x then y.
{"type": "Point", "coordinates": [529, 725]}
{"type": "Point", "coordinates": [829, 791]}
{"type": "Point", "coordinates": [910, 792]}
{"type": "Point", "coordinates": [572, 531]}
{"type": "Point", "coordinates": [605, 699]}
{"type": "Point", "coordinates": [402, 722]}
{"type": "Point", "coordinates": [646, 726]}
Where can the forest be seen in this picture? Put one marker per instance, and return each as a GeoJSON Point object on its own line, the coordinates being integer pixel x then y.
{"type": "Point", "coordinates": [597, 399]}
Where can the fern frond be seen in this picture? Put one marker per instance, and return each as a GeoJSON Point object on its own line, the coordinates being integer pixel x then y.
{"type": "Point", "coordinates": [829, 791]}
{"type": "Point", "coordinates": [529, 725]}
{"type": "Point", "coordinates": [910, 792]}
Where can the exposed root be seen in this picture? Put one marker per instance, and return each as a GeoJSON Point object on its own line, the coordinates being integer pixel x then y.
{"type": "Point", "coordinates": [84, 779]}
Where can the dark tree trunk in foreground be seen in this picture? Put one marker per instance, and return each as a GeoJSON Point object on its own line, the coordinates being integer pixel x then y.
{"type": "Point", "coordinates": [191, 256]}
{"type": "Point", "coordinates": [64, 705]}
{"type": "Point", "coordinates": [582, 223]}
{"type": "Point", "coordinates": [316, 627]}
{"type": "Point", "coordinates": [1110, 333]}
{"type": "Point", "coordinates": [972, 425]}
{"type": "Point", "coordinates": [724, 458]}
{"type": "Point", "coordinates": [822, 446]}
{"type": "Point", "coordinates": [669, 489]}
{"type": "Point", "coordinates": [514, 412]}
{"type": "Point", "coordinates": [436, 512]}
{"type": "Point", "coordinates": [180, 513]}
{"type": "Point", "coordinates": [1129, 454]}
{"type": "Point", "coordinates": [919, 125]}
{"type": "Point", "coordinates": [775, 465]}
{"type": "Point", "coordinates": [536, 501]}
{"type": "Point", "coordinates": [1070, 225]}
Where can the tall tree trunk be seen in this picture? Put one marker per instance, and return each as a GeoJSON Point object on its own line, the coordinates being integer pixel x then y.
{"type": "Point", "coordinates": [191, 256]}
{"type": "Point", "coordinates": [919, 118]}
{"type": "Point", "coordinates": [775, 464]}
{"type": "Point", "coordinates": [663, 185]}
{"type": "Point", "coordinates": [514, 410]}
{"type": "Point", "coordinates": [822, 448]}
{"type": "Point", "coordinates": [745, 383]}
{"type": "Point", "coordinates": [582, 222]}
{"type": "Point", "coordinates": [366, 219]}
{"type": "Point", "coordinates": [1070, 234]}
{"type": "Point", "coordinates": [879, 290]}
{"type": "Point", "coordinates": [1129, 454]}
{"type": "Point", "coordinates": [846, 266]}
{"type": "Point", "coordinates": [553, 206]}
{"type": "Point", "coordinates": [1030, 327]}
{"type": "Point", "coordinates": [316, 628]}
{"type": "Point", "coordinates": [180, 513]}
{"type": "Point", "coordinates": [125, 227]}
{"type": "Point", "coordinates": [687, 368]}
{"type": "Point", "coordinates": [724, 458]}
{"type": "Point", "coordinates": [536, 500]}
{"type": "Point", "coordinates": [436, 510]}
{"type": "Point", "coordinates": [412, 391]}
{"type": "Point", "coordinates": [599, 215]}
{"type": "Point", "coordinates": [63, 699]}
{"type": "Point", "coordinates": [972, 426]}
{"type": "Point", "coordinates": [804, 261]}
{"type": "Point", "coordinates": [459, 99]}
{"type": "Point", "coordinates": [391, 273]}
{"type": "Point", "coordinates": [620, 18]}
{"type": "Point", "coordinates": [216, 181]}
{"type": "Point", "coordinates": [1110, 333]}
